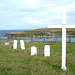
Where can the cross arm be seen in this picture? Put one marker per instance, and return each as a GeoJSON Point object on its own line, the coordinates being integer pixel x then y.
{"type": "Point", "coordinates": [69, 26]}
{"type": "Point", "coordinates": [54, 26]}
{"type": "Point", "coordinates": [61, 26]}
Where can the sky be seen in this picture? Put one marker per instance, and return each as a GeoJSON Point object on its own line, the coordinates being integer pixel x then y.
{"type": "Point", "coordinates": [33, 14]}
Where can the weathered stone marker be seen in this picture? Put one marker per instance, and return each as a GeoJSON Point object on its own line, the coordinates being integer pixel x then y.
{"type": "Point", "coordinates": [22, 44]}
{"type": "Point", "coordinates": [46, 50]}
{"type": "Point", "coordinates": [33, 50]}
{"type": "Point", "coordinates": [6, 43]}
{"type": "Point", "coordinates": [15, 44]}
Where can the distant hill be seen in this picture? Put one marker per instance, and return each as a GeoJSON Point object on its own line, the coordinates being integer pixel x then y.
{"type": "Point", "coordinates": [42, 32]}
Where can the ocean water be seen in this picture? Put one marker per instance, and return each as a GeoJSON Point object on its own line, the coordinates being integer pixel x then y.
{"type": "Point", "coordinates": [3, 32]}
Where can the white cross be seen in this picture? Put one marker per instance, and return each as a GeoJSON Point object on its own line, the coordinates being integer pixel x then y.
{"type": "Point", "coordinates": [63, 26]}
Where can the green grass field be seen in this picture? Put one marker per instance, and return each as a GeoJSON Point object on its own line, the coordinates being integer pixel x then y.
{"type": "Point", "coordinates": [19, 62]}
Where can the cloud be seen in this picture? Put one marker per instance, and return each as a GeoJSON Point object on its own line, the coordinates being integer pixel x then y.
{"type": "Point", "coordinates": [20, 14]}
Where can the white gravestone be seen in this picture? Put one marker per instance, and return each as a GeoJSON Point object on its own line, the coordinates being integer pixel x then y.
{"type": "Point", "coordinates": [22, 44]}
{"type": "Point", "coordinates": [6, 43]}
{"type": "Point", "coordinates": [46, 50]}
{"type": "Point", "coordinates": [33, 50]}
{"type": "Point", "coordinates": [15, 44]}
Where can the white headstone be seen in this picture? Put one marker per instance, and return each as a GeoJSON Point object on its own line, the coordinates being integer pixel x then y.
{"type": "Point", "coordinates": [33, 50]}
{"type": "Point", "coordinates": [46, 50]}
{"type": "Point", "coordinates": [22, 44]}
{"type": "Point", "coordinates": [6, 43]}
{"type": "Point", "coordinates": [15, 44]}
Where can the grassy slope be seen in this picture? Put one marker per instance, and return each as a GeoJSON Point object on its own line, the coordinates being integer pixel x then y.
{"type": "Point", "coordinates": [31, 33]}
{"type": "Point", "coordinates": [51, 29]}
{"type": "Point", "coordinates": [19, 62]}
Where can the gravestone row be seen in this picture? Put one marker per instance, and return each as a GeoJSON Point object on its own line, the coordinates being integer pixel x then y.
{"type": "Point", "coordinates": [21, 44]}
{"type": "Point", "coordinates": [33, 48]}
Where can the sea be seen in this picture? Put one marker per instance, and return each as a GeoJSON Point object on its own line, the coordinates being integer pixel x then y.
{"type": "Point", "coordinates": [3, 32]}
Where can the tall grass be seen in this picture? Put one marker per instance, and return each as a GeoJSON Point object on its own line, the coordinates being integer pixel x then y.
{"type": "Point", "coordinates": [19, 62]}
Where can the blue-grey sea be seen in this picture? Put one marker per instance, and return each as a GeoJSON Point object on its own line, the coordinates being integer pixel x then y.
{"type": "Point", "coordinates": [3, 32]}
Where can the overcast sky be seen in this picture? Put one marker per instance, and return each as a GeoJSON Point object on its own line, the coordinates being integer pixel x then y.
{"type": "Point", "coordinates": [33, 14]}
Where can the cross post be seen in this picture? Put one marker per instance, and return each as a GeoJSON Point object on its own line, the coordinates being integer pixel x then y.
{"type": "Point", "coordinates": [63, 26]}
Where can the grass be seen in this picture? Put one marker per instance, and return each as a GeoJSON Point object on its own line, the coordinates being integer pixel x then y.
{"type": "Point", "coordinates": [42, 31]}
{"type": "Point", "coordinates": [19, 62]}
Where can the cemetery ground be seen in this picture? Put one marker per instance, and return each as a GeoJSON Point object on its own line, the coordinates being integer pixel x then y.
{"type": "Point", "coordinates": [19, 62]}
